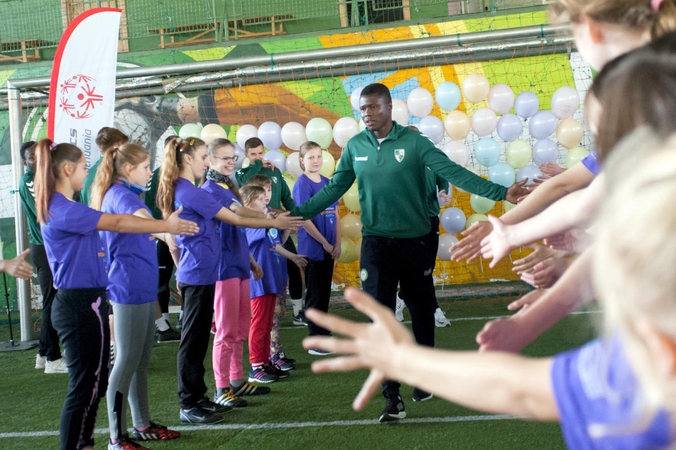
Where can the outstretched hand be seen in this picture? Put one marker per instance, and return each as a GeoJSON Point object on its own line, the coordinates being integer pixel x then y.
{"type": "Point", "coordinates": [469, 247]}
{"type": "Point", "coordinates": [496, 245]}
{"type": "Point", "coordinates": [17, 267]}
{"type": "Point", "coordinates": [367, 345]}
{"type": "Point", "coordinates": [180, 226]}
{"type": "Point", "coordinates": [284, 221]}
{"type": "Point", "coordinates": [551, 169]}
{"type": "Point", "coordinates": [516, 191]}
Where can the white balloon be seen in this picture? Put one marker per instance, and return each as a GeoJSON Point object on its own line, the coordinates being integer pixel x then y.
{"type": "Point", "coordinates": [245, 133]}
{"type": "Point", "coordinates": [344, 129]}
{"type": "Point", "coordinates": [484, 121]}
{"type": "Point", "coordinates": [565, 102]}
{"type": "Point", "coordinates": [433, 128]}
{"type": "Point", "coordinates": [354, 98]}
{"type": "Point", "coordinates": [293, 135]}
{"type": "Point", "coordinates": [501, 98]}
{"type": "Point", "coordinates": [270, 133]}
{"type": "Point", "coordinates": [400, 112]}
{"type": "Point", "coordinates": [293, 165]}
{"type": "Point", "coordinates": [420, 102]}
{"type": "Point", "coordinates": [457, 152]}
{"type": "Point", "coordinates": [212, 131]}
{"type": "Point", "coordinates": [277, 158]}
{"type": "Point", "coordinates": [240, 156]}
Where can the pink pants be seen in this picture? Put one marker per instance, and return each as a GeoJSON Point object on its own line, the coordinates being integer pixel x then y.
{"type": "Point", "coordinates": [232, 317]}
{"type": "Point", "coordinates": [262, 310]}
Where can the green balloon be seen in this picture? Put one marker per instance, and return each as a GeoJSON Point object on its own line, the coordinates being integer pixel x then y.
{"type": "Point", "coordinates": [481, 205]}
{"type": "Point", "coordinates": [575, 155]}
{"type": "Point", "coordinates": [471, 220]}
{"type": "Point", "coordinates": [518, 153]}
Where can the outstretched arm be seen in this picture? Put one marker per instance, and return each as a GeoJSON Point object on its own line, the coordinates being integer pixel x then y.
{"type": "Point", "coordinates": [129, 223]}
{"type": "Point", "coordinates": [493, 382]}
{"type": "Point", "coordinates": [17, 267]}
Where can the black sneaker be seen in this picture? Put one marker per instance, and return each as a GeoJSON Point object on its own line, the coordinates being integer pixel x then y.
{"type": "Point", "coordinates": [249, 389]}
{"type": "Point", "coordinates": [394, 409]}
{"type": "Point", "coordinates": [283, 356]}
{"type": "Point", "coordinates": [199, 415]}
{"type": "Point", "coordinates": [420, 396]}
{"type": "Point", "coordinates": [168, 335]}
{"type": "Point", "coordinates": [261, 375]}
{"type": "Point", "coordinates": [212, 407]}
{"type": "Point", "coordinates": [281, 364]}
{"type": "Point", "coordinates": [318, 352]}
{"type": "Point", "coordinates": [229, 399]}
{"type": "Point", "coordinates": [274, 370]}
{"type": "Point", "coordinates": [300, 319]}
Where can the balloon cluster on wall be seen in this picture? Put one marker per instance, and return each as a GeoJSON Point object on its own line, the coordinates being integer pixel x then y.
{"type": "Point", "coordinates": [512, 136]}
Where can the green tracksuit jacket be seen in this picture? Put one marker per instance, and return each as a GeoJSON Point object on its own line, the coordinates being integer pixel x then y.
{"type": "Point", "coordinates": [281, 194]}
{"type": "Point", "coordinates": [27, 194]}
{"type": "Point", "coordinates": [392, 183]}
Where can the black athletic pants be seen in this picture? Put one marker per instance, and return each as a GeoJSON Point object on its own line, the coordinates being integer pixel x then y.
{"type": "Point", "coordinates": [386, 263]}
{"type": "Point", "coordinates": [198, 310]}
{"type": "Point", "coordinates": [318, 275]}
{"type": "Point", "coordinates": [433, 247]}
{"type": "Point", "coordinates": [81, 318]}
{"type": "Point", "coordinates": [166, 265]}
{"type": "Point", "coordinates": [49, 338]}
{"type": "Point", "coordinates": [295, 280]}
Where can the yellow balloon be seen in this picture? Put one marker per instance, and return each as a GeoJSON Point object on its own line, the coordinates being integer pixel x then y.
{"type": "Point", "coordinates": [350, 226]}
{"type": "Point", "coordinates": [348, 253]}
{"type": "Point", "coordinates": [357, 248]}
{"type": "Point", "coordinates": [457, 125]}
{"type": "Point", "coordinates": [518, 153]}
{"type": "Point", "coordinates": [351, 199]}
{"type": "Point", "coordinates": [328, 164]}
{"type": "Point", "coordinates": [481, 205]}
{"type": "Point", "coordinates": [575, 155]}
{"type": "Point", "coordinates": [569, 133]}
{"type": "Point", "coordinates": [475, 88]}
{"type": "Point", "coordinates": [507, 206]}
{"type": "Point", "coordinates": [475, 218]}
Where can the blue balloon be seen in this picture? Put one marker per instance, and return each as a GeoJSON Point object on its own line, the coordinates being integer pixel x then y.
{"type": "Point", "coordinates": [530, 171]}
{"type": "Point", "coordinates": [526, 104]}
{"type": "Point", "coordinates": [543, 124]}
{"type": "Point", "coordinates": [487, 151]}
{"type": "Point", "coordinates": [502, 174]}
{"type": "Point", "coordinates": [453, 220]}
{"type": "Point", "coordinates": [448, 96]}
{"type": "Point", "coordinates": [509, 127]}
{"type": "Point", "coordinates": [545, 151]}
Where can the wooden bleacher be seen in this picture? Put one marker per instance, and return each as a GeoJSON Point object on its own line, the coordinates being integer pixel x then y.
{"type": "Point", "coordinates": [27, 47]}
{"type": "Point", "coordinates": [199, 33]}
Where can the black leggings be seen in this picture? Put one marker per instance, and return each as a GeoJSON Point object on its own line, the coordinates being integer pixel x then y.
{"type": "Point", "coordinates": [295, 280]}
{"type": "Point", "coordinates": [81, 318]}
{"type": "Point", "coordinates": [49, 338]}
{"type": "Point", "coordinates": [166, 264]}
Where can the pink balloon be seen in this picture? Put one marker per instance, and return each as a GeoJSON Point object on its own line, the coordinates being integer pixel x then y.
{"type": "Point", "coordinates": [484, 121]}
{"type": "Point", "coordinates": [457, 152]}
{"type": "Point", "coordinates": [420, 102]}
{"type": "Point", "coordinates": [501, 98]}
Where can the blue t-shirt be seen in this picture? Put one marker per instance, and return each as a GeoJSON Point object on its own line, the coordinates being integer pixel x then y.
{"type": "Point", "coordinates": [262, 243]}
{"type": "Point", "coordinates": [200, 254]}
{"type": "Point", "coordinates": [325, 222]}
{"type": "Point", "coordinates": [234, 262]}
{"type": "Point", "coordinates": [599, 401]}
{"type": "Point", "coordinates": [591, 162]}
{"type": "Point", "coordinates": [132, 272]}
{"type": "Point", "coordinates": [74, 249]}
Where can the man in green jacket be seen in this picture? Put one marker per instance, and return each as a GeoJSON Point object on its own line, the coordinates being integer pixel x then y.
{"type": "Point", "coordinates": [389, 162]}
{"type": "Point", "coordinates": [49, 356]}
{"type": "Point", "coordinates": [254, 150]}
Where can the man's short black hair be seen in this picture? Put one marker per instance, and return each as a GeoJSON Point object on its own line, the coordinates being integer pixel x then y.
{"type": "Point", "coordinates": [377, 89]}
{"type": "Point", "coordinates": [25, 146]}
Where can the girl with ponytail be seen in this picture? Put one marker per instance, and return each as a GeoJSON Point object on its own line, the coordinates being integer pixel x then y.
{"type": "Point", "coordinates": [79, 260]}
{"type": "Point", "coordinates": [185, 160]}
{"type": "Point", "coordinates": [132, 290]}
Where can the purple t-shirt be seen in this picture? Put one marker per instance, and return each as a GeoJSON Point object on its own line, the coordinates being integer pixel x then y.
{"type": "Point", "coordinates": [234, 262]}
{"type": "Point", "coordinates": [74, 249]}
{"type": "Point", "coordinates": [132, 272]}
{"type": "Point", "coordinates": [325, 222]}
{"type": "Point", "coordinates": [200, 253]}
{"type": "Point", "coordinates": [591, 162]}
{"type": "Point", "coordinates": [262, 243]}
{"type": "Point", "coordinates": [599, 401]}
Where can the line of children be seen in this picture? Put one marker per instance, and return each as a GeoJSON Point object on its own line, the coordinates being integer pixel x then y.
{"type": "Point", "coordinates": [132, 287]}
{"type": "Point", "coordinates": [78, 261]}
{"type": "Point", "coordinates": [266, 246]}
{"type": "Point", "coordinates": [319, 239]}
{"type": "Point", "coordinates": [185, 160]}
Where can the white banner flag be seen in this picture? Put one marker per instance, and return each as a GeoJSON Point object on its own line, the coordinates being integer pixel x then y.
{"type": "Point", "coordinates": [82, 89]}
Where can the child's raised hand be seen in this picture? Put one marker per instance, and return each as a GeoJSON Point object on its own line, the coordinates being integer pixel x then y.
{"type": "Point", "coordinates": [496, 245]}
{"type": "Point", "coordinates": [469, 247]}
{"type": "Point", "coordinates": [285, 221]}
{"type": "Point", "coordinates": [367, 345]}
{"type": "Point", "coordinates": [180, 226]}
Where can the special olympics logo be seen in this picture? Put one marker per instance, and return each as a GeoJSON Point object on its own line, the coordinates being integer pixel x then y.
{"type": "Point", "coordinates": [78, 97]}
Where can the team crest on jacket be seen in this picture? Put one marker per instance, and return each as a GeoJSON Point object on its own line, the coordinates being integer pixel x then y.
{"type": "Point", "coordinates": [399, 154]}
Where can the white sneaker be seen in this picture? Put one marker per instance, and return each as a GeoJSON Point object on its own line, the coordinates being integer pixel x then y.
{"type": "Point", "coordinates": [399, 309]}
{"type": "Point", "coordinates": [58, 366]}
{"type": "Point", "coordinates": [440, 319]}
{"type": "Point", "coordinates": [40, 362]}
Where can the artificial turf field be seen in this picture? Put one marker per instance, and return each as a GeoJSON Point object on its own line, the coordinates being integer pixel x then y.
{"type": "Point", "coordinates": [305, 411]}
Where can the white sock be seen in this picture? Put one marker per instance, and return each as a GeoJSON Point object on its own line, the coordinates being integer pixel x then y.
{"type": "Point", "coordinates": [165, 316]}
{"type": "Point", "coordinates": [161, 324]}
{"type": "Point", "coordinates": [297, 304]}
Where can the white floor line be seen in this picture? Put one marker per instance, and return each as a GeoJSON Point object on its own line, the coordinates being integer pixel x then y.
{"type": "Point", "coordinates": [283, 425]}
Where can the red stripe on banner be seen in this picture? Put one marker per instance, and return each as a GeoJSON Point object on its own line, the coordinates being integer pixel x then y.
{"type": "Point", "coordinates": [56, 67]}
